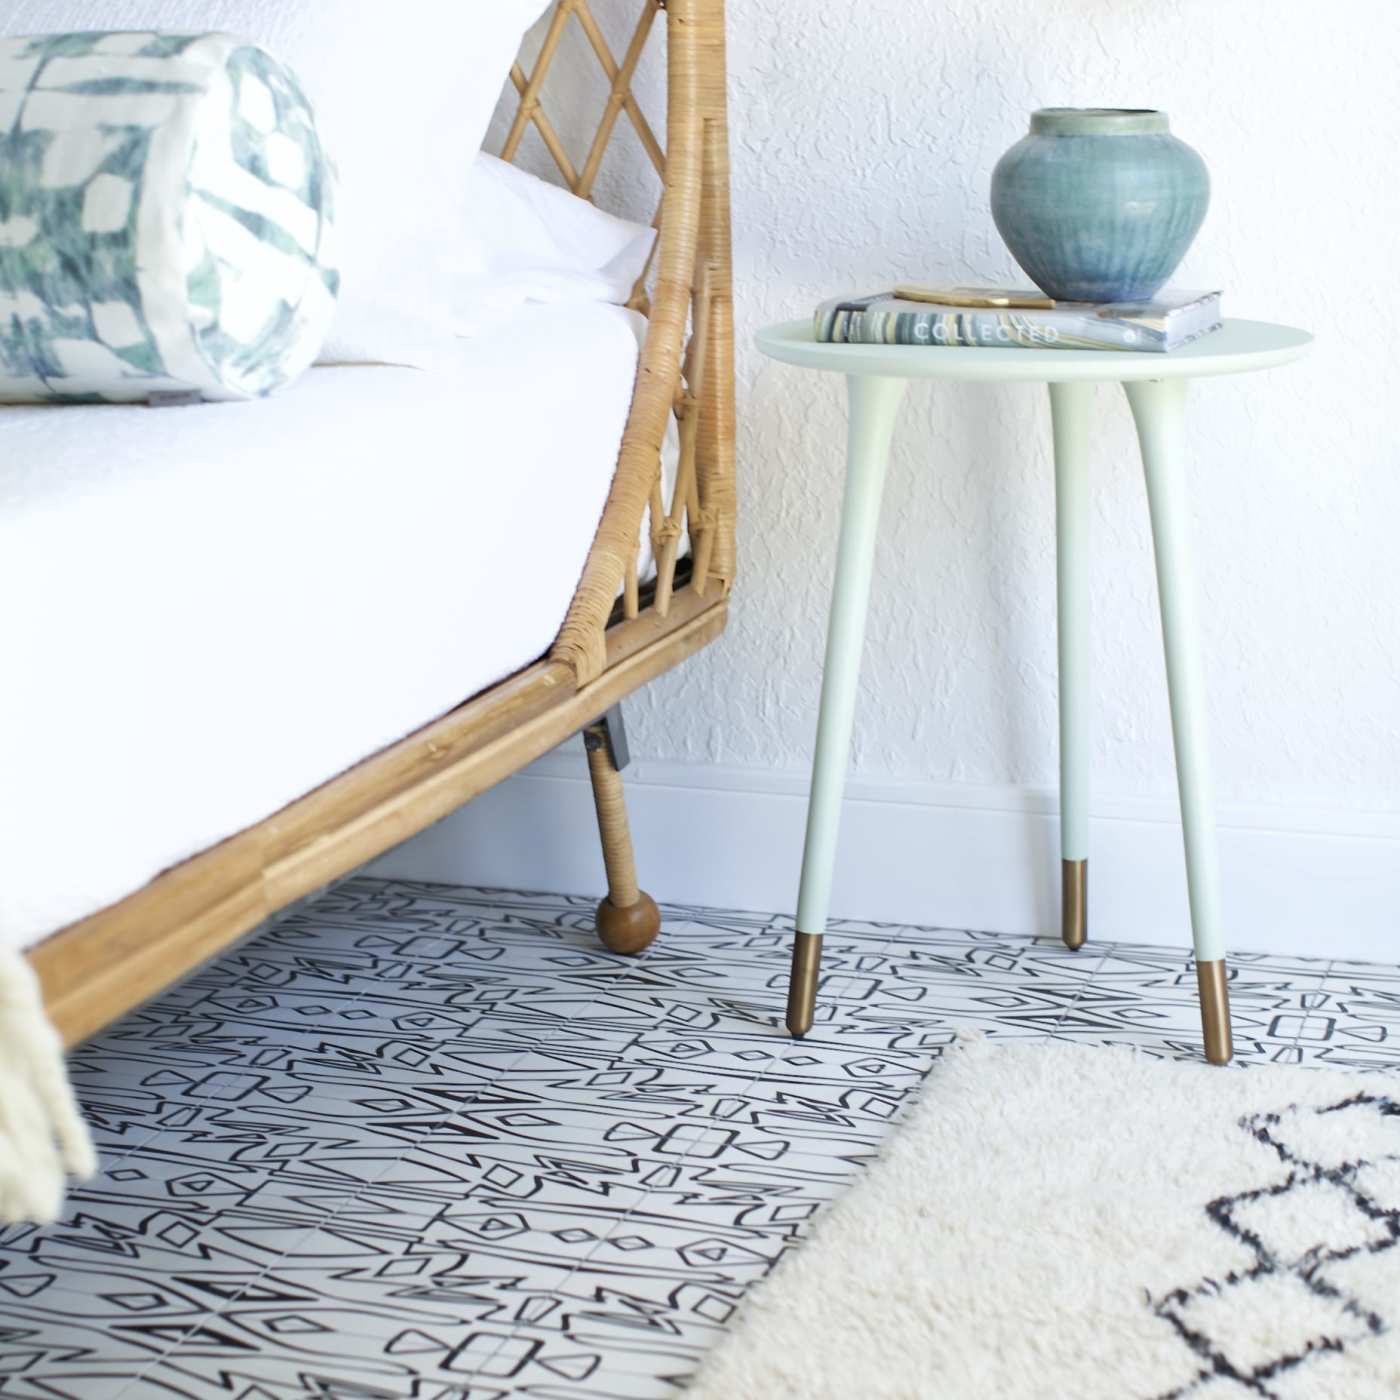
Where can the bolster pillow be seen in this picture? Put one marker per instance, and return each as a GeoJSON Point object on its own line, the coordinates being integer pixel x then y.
{"type": "Point", "coordinates": [166, 212]}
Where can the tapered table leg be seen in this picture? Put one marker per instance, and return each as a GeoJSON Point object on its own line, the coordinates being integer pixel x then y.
{"type": "Point", "coordinates": [874, 405]}
{"type": "Point", "coordinates": [1070, 407]}
{"type": "Point", "coordinates": [1159, 409]}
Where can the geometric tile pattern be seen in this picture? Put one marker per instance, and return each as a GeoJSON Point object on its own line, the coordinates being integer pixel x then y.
{"type": "Point", "coordinates": [420, 1142]}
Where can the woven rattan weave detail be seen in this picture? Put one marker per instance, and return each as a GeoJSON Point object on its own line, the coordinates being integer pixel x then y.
{"type": "Point", "coordinates": [686, 365]}
{"type": "Point", "coordinates": [115, 959]}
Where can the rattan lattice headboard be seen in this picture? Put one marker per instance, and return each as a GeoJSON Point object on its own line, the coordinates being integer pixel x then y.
{"type": "Point", "coordinates": [687, 366]}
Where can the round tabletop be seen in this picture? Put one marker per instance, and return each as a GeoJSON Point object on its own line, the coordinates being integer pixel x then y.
{"type": "Point", "coordinates": [1236, 347]}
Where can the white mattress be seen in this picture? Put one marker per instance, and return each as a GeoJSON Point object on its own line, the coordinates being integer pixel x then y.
{"type": "Point", "coordinates": [206, 612]}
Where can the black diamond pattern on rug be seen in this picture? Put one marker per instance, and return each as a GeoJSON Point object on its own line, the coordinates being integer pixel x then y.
{"type": "Point", "coordinates": [1261, 1326]}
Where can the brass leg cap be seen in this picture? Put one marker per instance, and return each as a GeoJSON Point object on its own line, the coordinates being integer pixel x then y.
{"type": "Point", "coordinates": [629, 930]}
{"type": "Point", "coordinates": [802, 984]}
{"type": "Point", "coordinates": [1074, 903]}
{"type": "Point", "coordinates": [1212, 980]}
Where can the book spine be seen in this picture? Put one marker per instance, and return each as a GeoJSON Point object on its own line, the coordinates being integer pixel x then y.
{"type": "Point", "coordinates": [988, 330]}
{"type": "Point", "coordinates": [873, 321]}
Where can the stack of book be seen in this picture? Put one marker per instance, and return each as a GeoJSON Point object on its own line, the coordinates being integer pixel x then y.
{"type": "Point", "coordinates": [998, 318]}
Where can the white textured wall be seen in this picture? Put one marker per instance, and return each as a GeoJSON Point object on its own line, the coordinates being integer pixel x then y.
{"type": "Point", "coordinates": [864, 133]}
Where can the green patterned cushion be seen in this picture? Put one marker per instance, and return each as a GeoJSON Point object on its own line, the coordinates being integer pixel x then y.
{"type": "Point", "coordinates": [166, 211]}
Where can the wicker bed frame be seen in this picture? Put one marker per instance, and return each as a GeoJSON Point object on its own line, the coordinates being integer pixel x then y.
{"type": "Point", "coordinates": [95, 970]}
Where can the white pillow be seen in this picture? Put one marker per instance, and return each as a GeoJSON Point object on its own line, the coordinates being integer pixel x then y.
{"type": "Point", "coordinates": [530, 241]}
{"type": "Point", "coordinates": [403, 95]}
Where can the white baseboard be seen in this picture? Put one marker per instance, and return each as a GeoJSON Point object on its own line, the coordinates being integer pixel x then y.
{"type": "Point", "coordinates": [1312, 882]}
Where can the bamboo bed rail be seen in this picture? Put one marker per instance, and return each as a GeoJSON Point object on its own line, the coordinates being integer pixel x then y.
{"type": "Point", "coordinates": [97, 970]}
{"type": "Point", "coordinates": [109, 963]}
{"type": "Point", "coordinates": [687, 362]}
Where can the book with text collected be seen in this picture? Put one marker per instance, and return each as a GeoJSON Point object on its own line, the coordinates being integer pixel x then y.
{"type": "Point", "coordinates": [1166, 323]}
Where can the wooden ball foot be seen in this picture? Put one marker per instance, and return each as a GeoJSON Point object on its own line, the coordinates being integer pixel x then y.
{"type": "Point", "coordinates": [629, 930]}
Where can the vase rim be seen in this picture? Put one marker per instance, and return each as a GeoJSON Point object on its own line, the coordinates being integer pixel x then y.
{"type": "Point", "coordinates": [1099, 121]}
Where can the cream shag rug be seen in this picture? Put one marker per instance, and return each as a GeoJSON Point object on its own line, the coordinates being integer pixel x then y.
{"type": "Point", "coordinates": [1057, 1220]}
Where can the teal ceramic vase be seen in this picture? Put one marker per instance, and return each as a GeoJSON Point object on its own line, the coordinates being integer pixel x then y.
{"type": "Point", "coordinates": [1099, 204]}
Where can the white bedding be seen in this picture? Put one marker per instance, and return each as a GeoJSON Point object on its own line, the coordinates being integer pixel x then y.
{"type": "Point", "coordinates": [206, 612]}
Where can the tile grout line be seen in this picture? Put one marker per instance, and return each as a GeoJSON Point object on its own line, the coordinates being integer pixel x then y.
{"type": "Point", "coordinates": [578, 1264]}
{"type": "Point", "coordinates": [1323, 978]}
{"type": "Point", "coordinates": [109, 1164]}
{"type": "Point", "coordinates": [621, 1223]}
{"type": "Point", "coordinates": [239, 949]}
{"type": "Point", "coordinates": [173, 1351]}
{"type": "Point", "coordinates": [1102, 948]}
{"type": "Point", "coordinates": [891, 940]}
{"type": "Point", "coordinates": [572, 1269]}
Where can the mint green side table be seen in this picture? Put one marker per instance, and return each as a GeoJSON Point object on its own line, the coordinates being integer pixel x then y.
{"type": "Point", "coordinates": [876, 376]}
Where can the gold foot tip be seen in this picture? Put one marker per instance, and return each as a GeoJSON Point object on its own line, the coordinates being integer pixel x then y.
{"type": "Point", "coordinates": [1212, 980]}
{"type": "Point", "coordinates": [800, 1015]}
{"type": "Point", "coordinates": [802, 985]}
{"type": "Point", "coordinates": [1074, 903]}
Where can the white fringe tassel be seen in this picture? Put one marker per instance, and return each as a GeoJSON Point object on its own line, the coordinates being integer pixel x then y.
{"type": "Point", "coordinates": [43, 1139]}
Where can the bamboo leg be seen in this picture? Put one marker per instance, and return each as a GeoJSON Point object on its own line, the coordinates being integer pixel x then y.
{"type": "Point", "coordinates": [1159, 408]}
{"type": "Point", "coordinates": [1070, 407]}
{"type": "Point", "coordinates": [628, 919]}
{"type": "Point", "coordinates": [874, 405]}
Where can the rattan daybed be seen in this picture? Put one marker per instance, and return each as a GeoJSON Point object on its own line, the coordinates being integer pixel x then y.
{"type": "Point", "coordinates": [620, 631]}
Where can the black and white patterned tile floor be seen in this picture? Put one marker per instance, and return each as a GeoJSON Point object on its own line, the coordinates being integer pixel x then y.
{"type": "Point", "coordinates": [428, 1142]}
